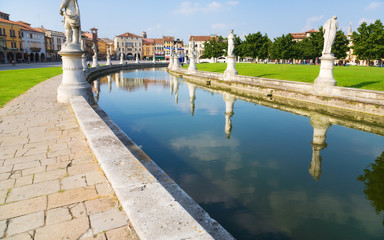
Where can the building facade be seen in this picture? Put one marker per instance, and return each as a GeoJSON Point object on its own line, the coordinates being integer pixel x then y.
{"type": "Point", "coordinates": [129, 44]}
{"type": "Point", "coordinates": [33, 43]}
{"type": "Point", "coordinates": [148, 48]}
{"type": "Point", "coordinates": [53, 41]}
{"type": "Point", "coordinates": [199, 42]}
{"type": "Point", "coordinates": [297, 37]}
{"type": "Point", "coordinates": [159, 49]}
{"type": "Point", "coordinates": [168, 42]}
{"type": "Point", "coordinates": [11, 47]}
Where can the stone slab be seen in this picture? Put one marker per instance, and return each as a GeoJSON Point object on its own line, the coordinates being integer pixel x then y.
{"type": "Point", "coordinates": [34, 190]}
{"type": "Point", "coordinates": [70, 230]}
{"type": "Point", "coordinates": [107, 220]}
{"type": "Point", "coordinates": [29, 206]}
{"type": "Point", "coordinates": [25, 223]}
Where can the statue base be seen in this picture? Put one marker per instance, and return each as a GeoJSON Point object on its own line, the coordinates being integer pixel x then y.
{"type": "Point", "coordinates": [170, 65]}
{"type": "Point", "coordinates": [95, 62]}
{"type": "Point", "coordinates": [192, 65]}
{"type": "Point", "coordinates": [325, 82]}
{"type": "Point", "coordinates": [73, 82]}
{"type": "Point", "coordinates": [176, 63]}
{"type": "Point", "coordinates": [109, 63]}
{"type": "Point", "coordinates": [231, 71]}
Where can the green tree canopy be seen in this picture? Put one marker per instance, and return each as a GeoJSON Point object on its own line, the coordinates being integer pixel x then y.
{"type": "Point", "coordinates": [256, 46]}
{"type": "Point", "coordinates": [368, 41]}
{"type": "Point", "coordinates": [283, 48]}
{"type": "Point", "coordinates": [373, 180]}
{"type": "Point", "coordinates": [214, 48]}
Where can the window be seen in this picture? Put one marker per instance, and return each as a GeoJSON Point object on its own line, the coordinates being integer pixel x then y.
{"type": "Point", "coordinates": [4, 32]}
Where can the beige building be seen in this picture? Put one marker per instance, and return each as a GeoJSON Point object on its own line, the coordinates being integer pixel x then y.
{"type": "Point", "coordinates": [148, 48]}
{"type": "Point", "coordinates": [129, 44]}
{"type": "Point", "coordinates": [199, 41]}
{"type": "Point", "coordinates": [300, 36]}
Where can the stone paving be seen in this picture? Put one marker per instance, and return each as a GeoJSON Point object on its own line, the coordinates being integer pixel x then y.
{"type": "Point", "coordinates": [51, 186]}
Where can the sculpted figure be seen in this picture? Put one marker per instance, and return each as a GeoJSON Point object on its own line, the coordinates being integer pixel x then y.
{"type": "Point", "coordinates": [71, 21]}
{"type": "Point", "coordinates": [94, 48]}
{"type": "Point", "coordinates": [329, 29]}
{"type": "Point", "coordinates": [193, 49]}
{"type": "Point", "coordinates": [231, 43]}
{"type": "Point", "coordinates": [109, 52]}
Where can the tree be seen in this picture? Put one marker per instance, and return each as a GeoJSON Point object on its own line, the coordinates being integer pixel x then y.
{"type": "Point", "coordinates": [373, 180]}
{"type": "Point", "coordinates": [238, 50]}
{"type": "Point", "coordinates": [283, 48]}
{"type": "Point", "coordinates": [312, 46]}
{"type": "Point", "coordinates": [368, 42]}
{"type": "Point", "coordinates": [256, 46]}
{"type": "Point", "coordinates": [214, 48]}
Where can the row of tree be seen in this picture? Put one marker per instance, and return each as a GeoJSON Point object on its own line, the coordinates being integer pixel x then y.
{"type": "Point", "coordinates": [367, 42]}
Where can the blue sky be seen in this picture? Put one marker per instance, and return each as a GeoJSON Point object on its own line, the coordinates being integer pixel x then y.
{"type": "Point", "coordinates": [180, 18]}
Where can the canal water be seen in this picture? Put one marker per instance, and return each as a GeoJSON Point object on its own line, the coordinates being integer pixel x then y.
{"type": "Point", "coordinates": [262, 173]}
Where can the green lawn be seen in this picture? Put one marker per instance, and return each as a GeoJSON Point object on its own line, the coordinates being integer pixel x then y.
{"type": "Point", "coordinates": [353, 76]}
{"type": "Point", "coordinates": [15, 82]}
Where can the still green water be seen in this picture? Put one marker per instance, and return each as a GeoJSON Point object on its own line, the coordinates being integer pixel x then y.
{"type": "Point", "coordinates": [260, 172]}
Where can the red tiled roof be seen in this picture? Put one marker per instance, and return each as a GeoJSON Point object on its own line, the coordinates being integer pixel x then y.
{"type": "Point", "coordinates": [148, 41]}
{"type": "Point", "coordinates": [159, 41]}
{"type": "Point", "coordinates": [87, 34]}
{"type": "Point", "coordinates": [203, 38]}
{"type": "Point", "coordinates": [312, 31]}
{"type": "Point", "coordinates": [128, 34]}
{"type": "Point", "coordinates": [168, 38]}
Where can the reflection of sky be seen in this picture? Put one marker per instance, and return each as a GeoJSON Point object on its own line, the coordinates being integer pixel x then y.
{"type": "Point", "coordinates": [257, 183]}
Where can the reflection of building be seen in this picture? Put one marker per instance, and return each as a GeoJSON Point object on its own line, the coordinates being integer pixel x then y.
{"type": "Point", "coordinates": [320, 124]}
{"type": "Point", "coordinates": [229, 112]}
{"type": "Point", "coordinates": [129, 44]}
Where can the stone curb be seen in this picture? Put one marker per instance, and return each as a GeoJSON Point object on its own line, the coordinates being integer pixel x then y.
{"type": "Point", "coordinates": [156, 206]}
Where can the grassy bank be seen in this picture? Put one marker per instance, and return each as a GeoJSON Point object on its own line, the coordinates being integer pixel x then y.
{"type": "Point", "coordinates": [15, 82]}
{"type": "Point", "coordinates": [371, 78]}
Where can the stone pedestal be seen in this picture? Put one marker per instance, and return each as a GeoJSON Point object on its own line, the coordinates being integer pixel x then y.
{"type": "Point", "coordinates": [137, 60]}
{"type": "Point", "coordinates": [73, 82]}
{"type": "Point", "coordinates": [170, 65]}
{"type": "Point", "coordinates": [109, 62]}
{"type": "Point", "coordinates": [95, 62]}
{"type": "Point", "coordinates": [325, 82]}
{"type": "Point", "coordinates": [192, 65]}
{"type": "Point", "coordinates": [231, 71]}
{"type": "Point", "coordinates": [176, 63]}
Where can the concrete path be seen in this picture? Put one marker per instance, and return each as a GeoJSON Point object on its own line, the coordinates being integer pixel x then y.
{"type": "Point", "coordinates": [51, 186]}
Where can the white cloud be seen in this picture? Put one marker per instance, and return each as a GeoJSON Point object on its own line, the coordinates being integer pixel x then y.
{"type": "Point", "coordinates": [374, 6]}
{"type": "Point", "coordinates": [232, 3]}
{"type": "Point", "coordinates": [212, 7]}
{"type": "Point", "coordinates": [219, 26]}
{"type": "Point", "coordinates": [309, 24]}
{"type": "Point", "coordinates": [188, 8]}
{"type": "Point", "coordinates": [368, 21]}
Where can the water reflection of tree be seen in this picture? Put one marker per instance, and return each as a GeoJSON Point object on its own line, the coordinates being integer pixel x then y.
{"type": "Point", "coordinates": [374, 183]}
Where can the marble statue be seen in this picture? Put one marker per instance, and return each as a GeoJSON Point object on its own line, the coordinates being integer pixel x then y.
{"type": "Point", "coordinates": [231, 43]}
{"type": "Point", "coordinates": [70, 10]}
{"type": "Point", "coordinates": [121, 58]}
{"type": "Point", "coordinates": [193, 49]}
{"type": "Point", "coordinates": [329, 29]}
{"type": "Point", "coordinates": [94, 48]}
{"type": "Point", "coordinates": [109, 62]}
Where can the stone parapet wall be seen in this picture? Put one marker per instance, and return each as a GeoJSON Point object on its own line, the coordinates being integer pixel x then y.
{"type": "Point", "coordinates": [364, 101]}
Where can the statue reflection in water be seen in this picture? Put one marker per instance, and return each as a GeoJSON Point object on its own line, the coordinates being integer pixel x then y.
{"type": "Point", "coordinates": [192, 96]}
{"type": "Point", "coordinates": [229, 112]}
{"type": "Point", "coordinates": [373, 179]}
{"type": "Point", "coordinates": [320, 124]}
{"type": "Point", "coordinates": [109, 77]}
{"type": "Point", "coordinates": [96, 89]}
{"type": "Point", "coordinates": [174, 87]}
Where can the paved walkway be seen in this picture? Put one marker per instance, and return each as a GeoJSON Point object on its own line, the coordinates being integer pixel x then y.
{"type": "Point", "coordinates": [51, 186]}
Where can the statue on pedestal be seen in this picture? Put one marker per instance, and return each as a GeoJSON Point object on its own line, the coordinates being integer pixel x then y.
{"type": "Point", "coordinates": [94, 48]}
{"type": "Point", "coordinates": [329, 29]}
{"type": "Point", "coordinates": [109, 63]}
{"type": "Point", "coordinates": [71, 21]}
{"type": "Point", "coordinates": [231, 43]}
